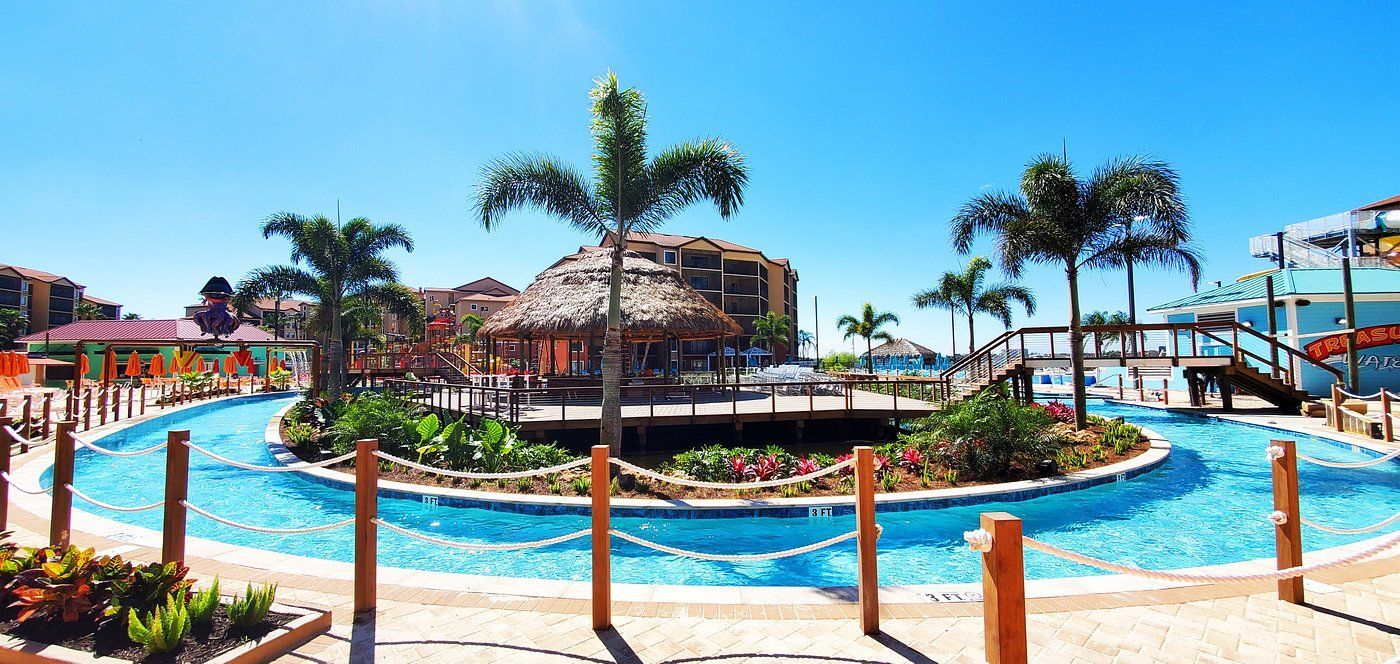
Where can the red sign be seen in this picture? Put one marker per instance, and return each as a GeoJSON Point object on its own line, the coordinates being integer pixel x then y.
{"type": "Point", "coordinates": [1366, 337]}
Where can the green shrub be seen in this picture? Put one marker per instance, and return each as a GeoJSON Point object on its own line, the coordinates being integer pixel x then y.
{"type": "Point", "coordinates": [531, 456]}
{"type": "Point", "coordinates": [984, 436]}
{"type": "Point", "coordinates": [839, 361]}
{"type": "Point", "coordinates": [1120, 435]}
{"type": "Point", "coordinates": [302, 435]}
{"type": "Point", "coordinates": [582, 485]}
{"type": "Point", "coordinates": [390, 419]}
{"type": "Point", "coordinates": [163, 628]}
{"type": "Point", "coordinates": [251, 608]}
{"type": "Point", "coordinates": [203, 603]}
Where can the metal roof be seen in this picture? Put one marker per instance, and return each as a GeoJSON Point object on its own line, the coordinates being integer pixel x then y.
{"type": "Point", "coordinates": [181, 330]}
{"type": "Point", "coordinates": [1290, 282]}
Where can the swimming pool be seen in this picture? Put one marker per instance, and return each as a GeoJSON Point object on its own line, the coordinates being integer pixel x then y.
{"type": "Point", "coordinates": [1205, 505]}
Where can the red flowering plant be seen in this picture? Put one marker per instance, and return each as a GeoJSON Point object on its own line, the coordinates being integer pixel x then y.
{"type": "Point", "coordinates": [739, 467]}
{"type": "Point", "coordinates": [882, 464]}
{"type": "Point", "coordinates": [1060, 412]}
{"type": "Point", "coordinates": [912, 459]}
{"type": "Point", "coordinates": [848, 470]}
{"type": "Point", "coordinates": [766, 467]}
{"type": "Point", "coordinates": [806, 466]}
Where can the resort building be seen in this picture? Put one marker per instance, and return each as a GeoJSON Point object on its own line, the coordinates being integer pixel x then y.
{"type": "Point", "coordinates": [285, 318]}
{"type": "Point", "coordinates": [47, 299]}
{"type": "Point", "coordinates": [742, 281]}
{"type": "Point", "coordinates": [1311, 317]}
{"type": "Point", "coordinates": [110, 310]}
{"type": "Point", "coordinates": [481, 297]}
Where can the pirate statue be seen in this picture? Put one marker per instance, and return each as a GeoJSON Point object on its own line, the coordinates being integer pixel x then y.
{"type": "Point", "coordinates": [216, 320]}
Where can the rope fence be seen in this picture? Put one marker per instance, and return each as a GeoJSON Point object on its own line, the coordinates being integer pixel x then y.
{"type": "Point", "coordinates": [108, 506]}
{"type": "Point", "coordinates": [268, 469]}
{"type": "Point", "coordinates": [577, 463]}
{"type": "Point", "coordinates": [1352, 531]}
{"type": "Point", "coordinates": [473, 546]}
{"type": "Point", "coordinates": [264, 529]}
{"type": "Point", "coordinates": [740, 557]}
{"type": "Point", "coordinates": [732, 486]}
{"type": "Point", "coordinates": [1275, 452]}
{"type": "Point", "coordinates": [118, 453]}
{"type": "Point", "coordinates": [9, 482]}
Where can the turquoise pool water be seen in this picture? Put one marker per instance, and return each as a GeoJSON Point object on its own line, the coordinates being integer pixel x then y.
{"type": "Point", "coordinates": [1206, 505]}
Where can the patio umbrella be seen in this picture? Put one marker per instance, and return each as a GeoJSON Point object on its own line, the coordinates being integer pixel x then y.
{"type": "Point", "coordinates": [84, 366]}
{"type": "Point", "coordinates": [157, 367]}
{"type": "Point", "coordinates": [23, 362]}
{"type": "Point", "coordinates": [109, 364]}
{"type": "Point", "coordinates": [199, 364]}
{"type": "Point", "coordinates": [133, 365]}
{"type": "Point", "coordinates": [283, 364]}
{"type": "Point", "coordinates": [230, 365]}
{"type": "Point", "coordinates": [8, 366]}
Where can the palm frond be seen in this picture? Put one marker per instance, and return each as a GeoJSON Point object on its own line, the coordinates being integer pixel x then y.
{"type": "Point", "coordinates": [619, 149]}
{"type": "Point", "coordinates": [986, 213]}
{"type": "Point", "coordinates": [541, 183]}
{"type": "Point", "coordinates": [687, 173]}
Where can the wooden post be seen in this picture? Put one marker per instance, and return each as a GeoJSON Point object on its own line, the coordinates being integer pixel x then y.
{"type": "Point", "coordinates": [1337, 407]}
{"type": "Point", "coordinates": [143, 398]}
{"type": "Point", "coordinates": [5, 445]}
{"type": "Point", "coordinates": [161, 398]}
{"type": "Point", "coordinates": [117, 403]}
{"type": "Point", "coordinates": [177, 484]}
{"type": "Point", "coordinates": [1288, 536]}
{"type": "Point", "coordinates": [102, 402]}
{"type": "Point", "coordinates": [131, 402]}
{"type": "Point", "coordinates": [87, 410]}
{"type": "Point", "coordinates": [1166, 400]}
{"type": "Point", "coordinates": [1387, 428]}
{"type": "Point", "coordinates": [26, 414]}
{"type": "Point", "coordinates": [47, 413]}
{"type": "Point", "coordinates": [62, 513]}
{"type": "Point", "coordinates": [366, 531]}
{"type": "Point", "coordinates": [602, 546]}
{"type": "Point", "coordinates": [1004, 590]}
{"type": "Point", "coordinates": [868, 582]}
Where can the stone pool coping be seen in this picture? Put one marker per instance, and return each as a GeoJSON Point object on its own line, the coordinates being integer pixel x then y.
{"type": "Point", "coordinates": [1157, 453]}
{"type": "Point", "coordinates": [210, 556]}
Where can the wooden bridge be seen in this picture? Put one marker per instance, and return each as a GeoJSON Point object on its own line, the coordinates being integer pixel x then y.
{"type": "Point", "coordinates": [1238, 357]}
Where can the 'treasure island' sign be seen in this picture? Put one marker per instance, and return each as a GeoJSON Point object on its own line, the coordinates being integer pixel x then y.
{"type": "Point", "coordinates": [1366, 337]}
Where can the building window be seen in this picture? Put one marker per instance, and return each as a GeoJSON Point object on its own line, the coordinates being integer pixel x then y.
{"type": "Point", "coordinates": [483, 309]}
{"type": "Point", "coordinates": [669, 257]}
{"type": "Point", "coordinates": [473, 307]}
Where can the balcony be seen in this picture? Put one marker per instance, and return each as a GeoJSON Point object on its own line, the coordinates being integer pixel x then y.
{"type": "Point", "coordinates": [747, 268]}
{"type": "Point", "coordinates": [700, 260]}
{"type": "Point", "coordinates": [745, 306]}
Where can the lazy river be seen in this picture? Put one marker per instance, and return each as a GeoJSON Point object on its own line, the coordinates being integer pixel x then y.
{"type": "Point", "coordinates": [1206, 505]}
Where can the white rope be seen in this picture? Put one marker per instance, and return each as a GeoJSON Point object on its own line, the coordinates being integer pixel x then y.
{"type": "Point", "coordinates": [743, 557]}
{"type": "Point", "coordinates": [1182, 577]}
{"type": "Point", "coordinates": [1358, 396]}
{"type": "Point", "coordinates": [261, 529]}
{"type": "Point", "coordinates": [1352, 531]}
{"type": "Point", "coordinates": [732, 486]}
{"type": "Point", "coordinates": [269, 469]}
{"type": "Point", "coordinates": [115, 453]}
{"type": "Point", "coordinates": [11, 483]}
{"type": "Point", "coordinates": [484, 476]}
{"type": "Point", "coordinates": [1350, 464]}
{"type": "Point", "coordinates": [9, 431]}
{"type": "Point", "coordinates": [470, 546]}
{"type": "Point", "coordinates": [108, 506]}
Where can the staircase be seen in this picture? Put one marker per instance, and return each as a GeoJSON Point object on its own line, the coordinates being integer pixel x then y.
{"type": "Point", "coordinates": [1236, 355]}
{"type": "Point", "coordinates": [453, 369]}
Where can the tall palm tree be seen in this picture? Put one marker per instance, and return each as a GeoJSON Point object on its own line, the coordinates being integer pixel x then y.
{"type": "Point", "coordinates": [331, 263]}
{"type": "Point", "coordinates": [804, 340]}
{"type": "Point", "coordinates": [963, 291]}
{"type": "Point", "coordinates": [273, 286]}
{"type": "Point", "coordinates": [771, 331]}
{"type": "Point", "coordinates": [629, 193]}
{"type": "Point", "coordinates": [1100, 318]}
{"type": "Point", "coordinates": [868, 325]}
{"type": "Point", "coordinates": [88, 311]}
{"type": "Point", "coordinates": [13, 324]}
{"type": "Point", "coordinates": [1079, 224]}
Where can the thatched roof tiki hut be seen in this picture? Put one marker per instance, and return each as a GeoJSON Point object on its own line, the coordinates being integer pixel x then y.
{"type": "Point", "coordinates": [900, 355]}
{"type": "Point", "coordinates": [568, 304]}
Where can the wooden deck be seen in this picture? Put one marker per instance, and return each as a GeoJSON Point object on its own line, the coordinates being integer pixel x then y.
{"type": "Point", "coordinates": [553, 409]}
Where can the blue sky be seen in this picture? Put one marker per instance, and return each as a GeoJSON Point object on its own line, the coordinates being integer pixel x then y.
{"type": "Point", "coordinates": [141, 144]}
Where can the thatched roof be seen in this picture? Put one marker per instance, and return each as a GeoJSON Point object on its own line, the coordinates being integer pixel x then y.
{"type": "Point", "coordinates": [571, 301]}
{"type": "Point", "coordinates": [902, 348]}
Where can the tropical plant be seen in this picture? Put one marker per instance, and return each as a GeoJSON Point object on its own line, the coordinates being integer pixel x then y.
{"type": "Point", "coordinates": [57, 583]}
{"type": "Point", "coordinates": [804, 341]}
{"type": "Point", "coordinates": [331, 263]}
{"type": "Point", "coordinates": [131, 316]}
{"type": "Point", "coordinates": [1101, 318]}
{"type": "Point", "coordinates": [839, 360]}
{"type": "Point", "coordinates": [143, 588]}
{"type": "Point", "coordinates": [984, 436]}
{"type": "Point", "coordinates": [492, 443]}
{"type": "Point", "coordinates": [629, 194]}
{"type": "Point", "coordinates": [203, 603]}
{"type": "Point", "coordinates": [88, 311]}
{"type": "Point", "coordinates": [391, 420]}
{"type": "Point", "coordinates": [966, 292]}
{"type": "Point", "coordinates": [772, 330]}
{"type": "Point", "coordinates": [13, 325]}
{"type": "Point", "coordinates": [251, 607]}
{"type": "Point", "coordinates": [869, 325]}
{"type": "Point", "coordinates": [1081, 224]}
{"type": "Point", "coordinates": [163, 629]}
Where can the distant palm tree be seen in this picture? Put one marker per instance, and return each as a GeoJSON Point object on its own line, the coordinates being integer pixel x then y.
{"type": "Point", "coordinates": [13, 324]}
{"type": "Point", "coordinates": [1079, 224]}
{"type": "Point", "coordinates": [1101, 318]}
{"type": "Point", "coordinates": [804, 340]}
{"type": "Point", "coordinates": [771, 331]}
{"type": "Point", "coordinates": [867, 325]}
{"type": "Point", "coordinates": [271, 285]}
{"type": "Point", "coordinates": [963, 291]}
{"type": "Point", "coordinates": [131, 316]}
{"type": "Point", "coordinates": [629, 193]}
{"type": "Point", "coordinates": [89, 311]}
{"type": "Point", "coordinates": [341, 262]}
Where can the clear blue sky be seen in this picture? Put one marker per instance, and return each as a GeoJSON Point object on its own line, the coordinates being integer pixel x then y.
{"type": "Point", "coordinates": [141, 144]}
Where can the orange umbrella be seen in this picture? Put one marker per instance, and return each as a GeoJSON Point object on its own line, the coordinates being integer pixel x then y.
{"type": "Point", "coordinates": [84, 366]}
{"type": "Point", "coordinates": [157, 367]}
{"type": "Point", "coordinates": [199, 364]}
{"type": "Point", "coordinates": [109, 364]}
{"type": "Point", "coordinates": [133, 365]}
{"type": "Point", "coordinates": [7, 364]}
{"type": "Point", "coordinates": [230, 365]}
{"type": "Point", "coordinates": [213, 366]}
{"type": "Point", "coordinates": [23, 362]}
{"type": "Point", "coordinates": [283, 364]}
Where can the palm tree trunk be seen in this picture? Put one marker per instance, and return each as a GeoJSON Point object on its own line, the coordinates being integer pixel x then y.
{"type": "Point", "coordinates": [1132, 306]}
{"type": "Point", "coordinates": [953, 330]}
{"type": "Point", "coordinates": [869, 357]}
{"type": "Point", "coordinates": [610, 431]}
{"type": "Point", "coordinates": [971, 338]}
{"type": "Point", "coordinates": [1076, 349]}
{"type": "Point", "coordinates": [335, 353]}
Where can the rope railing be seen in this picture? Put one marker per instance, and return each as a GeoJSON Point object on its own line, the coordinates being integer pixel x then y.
{"type": "Point", "coordinates": [108, 506]}
{"type": "Point", "coordinates": [740, 557]}
{"type": "Point", "coordinates": [576, 463]}
{"type": "Point", "coordinates": [10, 482]}
{"type": "Point", "coordinates": [473, 546]}
{"type": "Point", "coordinates": [1350, 464]}
{"type": "Point", "coordinates": [1362, 397]}
{"type": "Point", "coordinates": [263, 529]}
{"type": "Point", "coordinates": [1198, 577]}
{"type": "Point", "coordinates": [731, 486]}
{"type": "Point", "coordinates": [118, 453]}
{"type": "Point", "coordinates": [14, 435]}
{"type": "Point", "coordinates": [1351, 531]}
{"type": "Point", "coordinates": [269, 469]}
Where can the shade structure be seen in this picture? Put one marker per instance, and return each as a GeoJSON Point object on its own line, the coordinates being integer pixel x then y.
{"type": "Point", "coordinates": [109, 364]}
{"type": "Point", "coordinates": [133, 365]}
{"type": "Point", "coordinates": [157, 367]}
{"type": "Point", "coordinates": [570, 301]}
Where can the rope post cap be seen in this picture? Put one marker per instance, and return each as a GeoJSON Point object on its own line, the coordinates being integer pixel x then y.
{"type": "Point", "coordinates": [1273, 452]}
{"type": "Point", "coordinates": [978, 540]}
{"type": "Point", "coordinates": [1277, 517]}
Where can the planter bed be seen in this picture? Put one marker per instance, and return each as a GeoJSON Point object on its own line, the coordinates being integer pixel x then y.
{"type": "Point", "coordinates": [285, 628]}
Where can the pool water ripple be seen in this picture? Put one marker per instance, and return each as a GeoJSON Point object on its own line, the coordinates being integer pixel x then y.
{"type": "Point", "coordinates": [1205, 505]}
